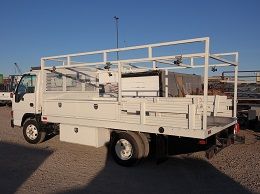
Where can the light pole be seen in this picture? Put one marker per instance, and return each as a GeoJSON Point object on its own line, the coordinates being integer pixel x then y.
{"type": "Point", "coordinates": [116, 21]}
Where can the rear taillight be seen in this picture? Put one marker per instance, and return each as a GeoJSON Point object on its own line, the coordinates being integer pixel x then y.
{"type": "Point", "coordinates": [236, 128]}
{"type": "Point", "coordinates": [12, 114]}
{"type": "Point", "coordinates": [44, 119]}
{"type": "Point", "coordinates": [202, 142]}
{"type": "Point", "coordinates": [11, 95]}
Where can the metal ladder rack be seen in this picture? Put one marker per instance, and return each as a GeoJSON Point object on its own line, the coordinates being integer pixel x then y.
{"type": "Point", "coordinates": [171, 62]}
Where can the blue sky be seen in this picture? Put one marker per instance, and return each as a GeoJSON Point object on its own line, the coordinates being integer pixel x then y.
{"type": "Point", "coordinates": [30, 29]}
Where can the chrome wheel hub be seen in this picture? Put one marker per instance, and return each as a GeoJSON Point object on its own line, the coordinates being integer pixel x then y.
{"type": "Point", "coordinates": [124, 149]}
{"type": "Point", "coordinates": [31, 132]}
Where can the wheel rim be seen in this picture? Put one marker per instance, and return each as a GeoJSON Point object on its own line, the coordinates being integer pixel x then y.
{"type": "Point", "coordinates": [31, 132]}
{"type": "Point", "coordinates": [124, 149]}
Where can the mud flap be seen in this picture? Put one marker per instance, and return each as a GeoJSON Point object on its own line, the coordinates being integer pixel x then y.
{"type": "Point", "coordinates": [161, 148]}
{"type": "Point", "coordinates": [222, 143]}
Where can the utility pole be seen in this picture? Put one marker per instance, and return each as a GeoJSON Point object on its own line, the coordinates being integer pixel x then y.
{"type": "Point", "coordinates": [116, 22]}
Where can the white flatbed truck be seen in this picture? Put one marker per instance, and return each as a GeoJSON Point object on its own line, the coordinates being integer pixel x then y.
{"type": "Point", "coordinates": [7, 90]}
{"type": "Point", "coordinates": [5, 98]}
{"type": "Point", "coordinates": [65, 95]}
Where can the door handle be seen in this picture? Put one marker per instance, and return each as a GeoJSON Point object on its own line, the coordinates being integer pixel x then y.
{"type": "Point", "coordinates": [31, 104]}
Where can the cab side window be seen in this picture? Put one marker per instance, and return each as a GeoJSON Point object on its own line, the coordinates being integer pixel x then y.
{"type": "Point", "coordinates": [27, 84]}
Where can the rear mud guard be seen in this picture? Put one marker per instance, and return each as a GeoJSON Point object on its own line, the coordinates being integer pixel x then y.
{"type": "Point", "coordinates": [161, 148]}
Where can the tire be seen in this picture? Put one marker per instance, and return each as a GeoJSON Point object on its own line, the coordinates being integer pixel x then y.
{"type": "Point", "coordinates": [127, 148]}
{"type": "Point", "coordinates": [32, 131]}
{"type": "Point", "coordinates": [145, 144]}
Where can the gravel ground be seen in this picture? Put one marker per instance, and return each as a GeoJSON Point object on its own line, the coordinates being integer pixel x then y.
{"type": "Point", "coordinates": [58, 167]}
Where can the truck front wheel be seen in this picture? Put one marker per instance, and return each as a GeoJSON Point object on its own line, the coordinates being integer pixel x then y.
{"type": "Point", "coordinates": [32, 132]}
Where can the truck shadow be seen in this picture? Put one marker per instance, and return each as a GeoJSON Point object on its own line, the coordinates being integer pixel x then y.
{"type": "Point", "coordinates": [17, 163]}
{"type": "Point", "coordinates": [176, 175]}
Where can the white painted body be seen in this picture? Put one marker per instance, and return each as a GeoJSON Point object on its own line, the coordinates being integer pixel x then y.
{"type": "Point", "coordinates": [77, 104]}
{"type": "Point", "coordinates": [5, 96]}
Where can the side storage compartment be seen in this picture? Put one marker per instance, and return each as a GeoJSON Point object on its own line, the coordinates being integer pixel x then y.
{"type": "Point", "coordinates": [84, 135]}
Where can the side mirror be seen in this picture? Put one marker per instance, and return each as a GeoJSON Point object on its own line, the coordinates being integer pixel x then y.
{"type": "Point", "coordinates": [18, 97]}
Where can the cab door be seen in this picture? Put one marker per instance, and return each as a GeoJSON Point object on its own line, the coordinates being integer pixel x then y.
{"type": "Point", "coordinates": [24, 98]}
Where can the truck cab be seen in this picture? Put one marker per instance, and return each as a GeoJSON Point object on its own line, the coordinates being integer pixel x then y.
{"type": "Point", "coordinates": [25, 112]}
{"type": "Point", "coordinates": [24, 99]}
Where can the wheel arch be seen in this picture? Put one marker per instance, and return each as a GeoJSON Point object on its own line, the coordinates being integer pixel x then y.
{"type": "Point", "coordinates": [30, 115]}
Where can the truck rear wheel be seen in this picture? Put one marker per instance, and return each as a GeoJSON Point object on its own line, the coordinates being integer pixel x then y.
{"type": "Point", "coordinates": [127, 148]}
{"type": "Point", "coordinates": [145, 144]}
{"type": "Point", "coordinates": [32, 132]}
